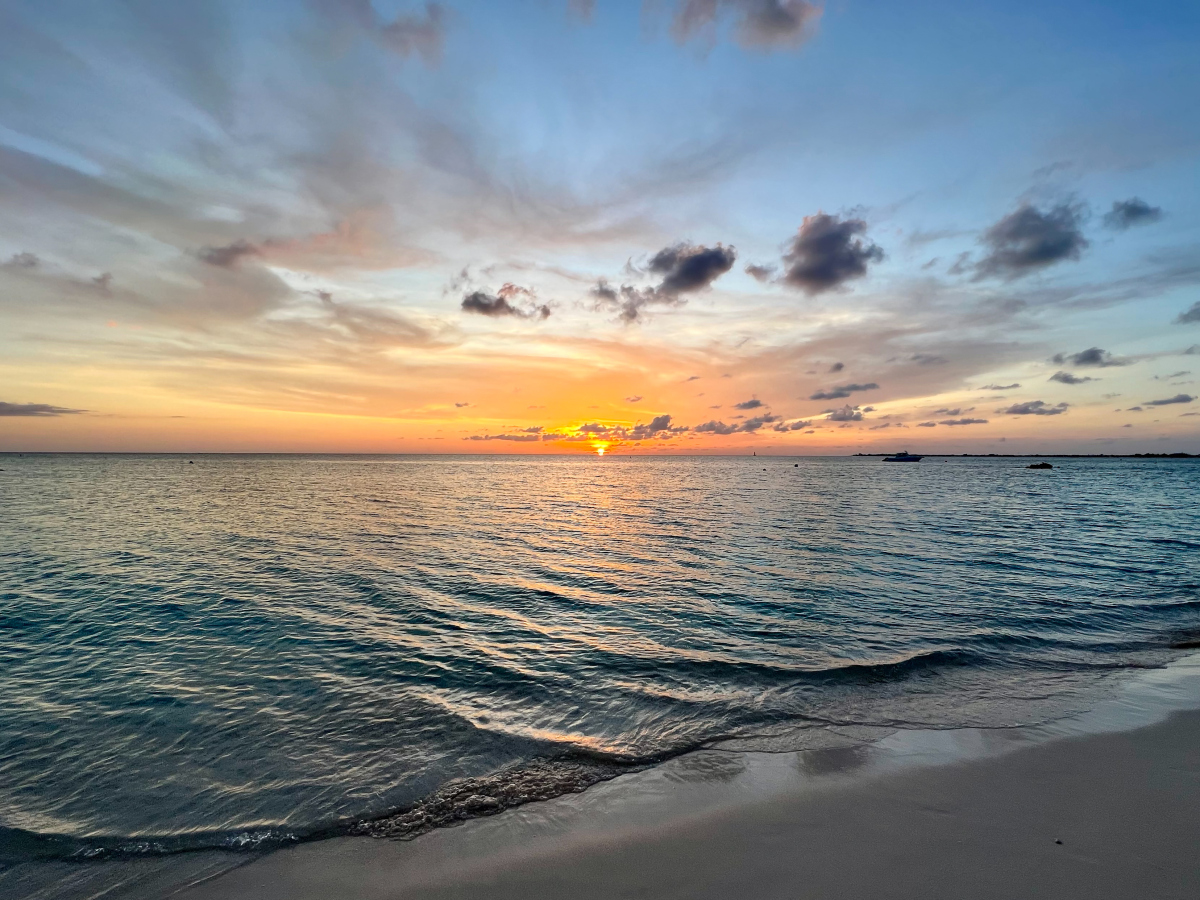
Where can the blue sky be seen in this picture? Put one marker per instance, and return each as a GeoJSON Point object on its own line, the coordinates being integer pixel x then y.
{"type": "Point", "coordinates": [259, 225]}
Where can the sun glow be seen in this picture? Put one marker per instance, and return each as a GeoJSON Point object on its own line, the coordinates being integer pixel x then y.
{"type": "Point", "coordinates": [600, 448]}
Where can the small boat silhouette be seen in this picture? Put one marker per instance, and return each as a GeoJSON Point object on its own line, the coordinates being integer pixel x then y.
{"type": "Point", "coordinates": [904, 456]}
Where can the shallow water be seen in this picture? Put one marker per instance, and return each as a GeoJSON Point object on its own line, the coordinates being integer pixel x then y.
{"type": "Point", "coordinates": [250, 649]}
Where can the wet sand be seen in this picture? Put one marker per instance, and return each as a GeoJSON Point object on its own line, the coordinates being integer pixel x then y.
{"type": "Point", "coordinates": [1125, 806]}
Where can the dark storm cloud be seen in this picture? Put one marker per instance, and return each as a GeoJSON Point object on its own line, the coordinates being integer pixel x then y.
{"type": "Point", "coordinates": [1178, 398]}
{"type": "Point", "coordinates": [827, 252]}
{"type": "Point", "coordinates": [228, 256]}
{"type": "Point", "coordinates": [40, 410]}
{"type": "Point", "coordinates": [1068, 378]}
{"type": "Point", "coordinates": [1029, 239]}
{"type": "Point", "coordinates": [845, 390]}
{"type": "Point", "coordinates": [501, 304]}
{"type": "Point", "coordinates": [760, 273]}
{"type": "Point", "coordinates": [1188, 317]}
{"type": "Point", "coordinates": [686, 268]}
{"type": "Point", "coordinates": [1000, 387]}
{"type": "Point", "coordinates": [1093, 356]}
{"type": "Point", "coordinates": [963, 422]}
{"type": "Point", "coordinates": [845, 414]}
{"type": "Point", "coordinates": [1134, 211]}
{"type": "Point", "coordinates": [1033, 408]}
{"type": "Point", "coordinates": [759, 24]}
{"type": "Point", "coordinates": [748, 404]}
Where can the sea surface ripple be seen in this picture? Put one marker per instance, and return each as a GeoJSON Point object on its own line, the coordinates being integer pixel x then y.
{"type": "Point", "coordinates": [243, 650]}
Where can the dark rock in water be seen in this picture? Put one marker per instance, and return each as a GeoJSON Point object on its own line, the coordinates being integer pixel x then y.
{"type": "Point", "coordinates": [1040, 466]}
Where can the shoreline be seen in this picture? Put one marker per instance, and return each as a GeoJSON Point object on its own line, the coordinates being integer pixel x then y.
{"type": "Point", "coordinates": [961, 812]}
{"type": "Point", "coordinates": [663, 824]}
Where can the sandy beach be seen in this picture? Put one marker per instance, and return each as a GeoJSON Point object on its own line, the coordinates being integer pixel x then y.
{"type": "Point", "coordinates": [1090, 816]}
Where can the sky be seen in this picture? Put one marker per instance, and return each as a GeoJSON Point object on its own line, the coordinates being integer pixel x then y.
{"type": "Point", "coordinates": [629, 226]}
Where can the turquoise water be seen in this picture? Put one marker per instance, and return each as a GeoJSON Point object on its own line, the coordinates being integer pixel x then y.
{"type": "Point", "coordinates": [247, 650]}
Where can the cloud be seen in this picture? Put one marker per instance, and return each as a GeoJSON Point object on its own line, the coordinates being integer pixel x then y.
{"type": "Point", "coordinates": [1178, 398]}
{"type": "Point", "coordinates": [963, 422]}
{"type": "Point", "coordinates": [1068, 378]}
{"type": "Point", "coordinates": [629, 301]}
{"type": "Point", "coordinates": [748, 404]}
{"type": "Point", "coordinates": [1033, 408]}
{"type": "Point", "coordinates": [837, 393]}
{"type": "Point", "coordinates": [500, 304]}
{"type": "Point", "coordinates": [759, 24]}
{"type": "Point", "coordinates": [758, 422]}
{"type": "Point", "coordinates": [38, 410]}
{"type": "Point", "coordinates": [412, 34]}
{"type": "Point", "coordinates": [760, 273]}
{"type": "Point", "coordinates": [949, 412]}
{"type": "Point", "coordinates": [1188, 317]}
{"type": "Point", "coordinates": [521, 438]}
{"type": "Point", "coordinates": [686, 268]}
{"type": "Point", "coordinates": [461, 405]}
{"type": "Point", "coordinates": [230, 255]}
{"type": "Point", "coordinates": [1134, 211]}
{"type": "Point", "coordinates": [798, 425]}
{"type": "Point", "coordinates": [927, 424]}
{"type": "Point", "coordinates": [715, 427]}
{"type": "Point", "coordinates": [1093, 356]}
{"type": "Point", "coordinates": [24, 260]}
{"type": "Point", "coordinates": [928, 359]}
{"type": "Point", "coordinates": [372, 326]}
{"type": "Point", "coordinates": [827, 252]}
{"type": "Point", "coordinates": [845, 414]}
{"type": "Point", "coordinates": [1000, 387]}
{"type": "Point", "coordinates": [635, 399]}
{"type": "Point", "coordinates": [1029, 239]}
{"type": "Point", "coordinates": [659, 423]}
{"type": "Point", "coordinates": [837, 367]}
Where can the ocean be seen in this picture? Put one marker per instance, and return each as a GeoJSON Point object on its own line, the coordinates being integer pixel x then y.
{"type": "Point", "coordinates": [247, 651]}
